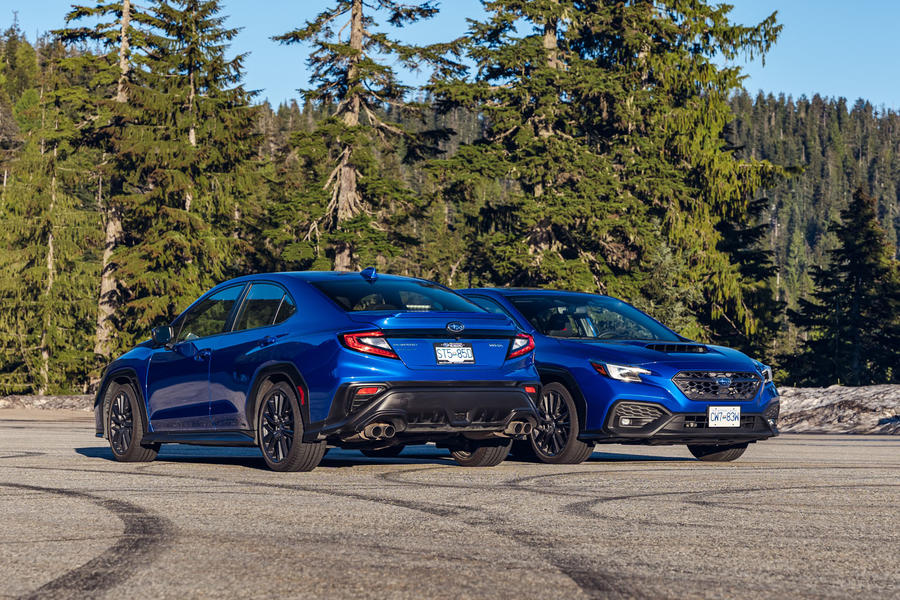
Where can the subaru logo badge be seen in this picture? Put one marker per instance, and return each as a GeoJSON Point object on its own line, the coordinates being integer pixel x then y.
{"type": "Point", "coordinates": [455, 327]}
{"type": "Point", "coordinates": [723, 382]}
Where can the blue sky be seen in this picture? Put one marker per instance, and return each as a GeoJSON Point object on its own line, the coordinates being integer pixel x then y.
{"type": "Point", "coordinates": [830, 47]}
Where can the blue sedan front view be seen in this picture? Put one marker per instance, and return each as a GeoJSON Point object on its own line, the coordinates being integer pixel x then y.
{"type": "Point", "coordinates": [613, 374]}
{"type": "Point", "coordinates": [291, 362]}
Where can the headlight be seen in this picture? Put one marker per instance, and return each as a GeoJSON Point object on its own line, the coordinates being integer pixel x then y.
{"type": "Point", "coordinates": [764, 370]}
{"type": "Point", "coordinates": [620, 372]}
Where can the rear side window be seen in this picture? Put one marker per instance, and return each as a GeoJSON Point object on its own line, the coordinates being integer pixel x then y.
{"type": "Point", "coordinates": [355, 295]}
{"type": "Point", "coordinates": [266, 304]}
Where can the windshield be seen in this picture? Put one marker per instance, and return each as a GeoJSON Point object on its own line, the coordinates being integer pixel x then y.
{"type": "Point", "coordinates": [589, 317]}
{"type": "Point", "coordinates": [355, 295]}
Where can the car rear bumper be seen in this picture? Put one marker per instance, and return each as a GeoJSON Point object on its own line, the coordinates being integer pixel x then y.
{"type": "Point", "coordinates": [654, 424]}
{"type": "Point", "coordinates": [426, 410]}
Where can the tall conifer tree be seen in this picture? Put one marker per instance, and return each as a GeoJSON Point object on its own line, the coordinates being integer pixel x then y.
{"type": "Point", "coordinates": [606, 120]}
{"type": "Point", "coordinates": [187, 154]}
{"type": "Point", "coordinates": [350, 205]}
{"type": "Point", "coordinates": [120, 33]}
{"type": "Point", "coordinates": [854, 315]}
{"type": "Point", "coordinates": [47, 273]}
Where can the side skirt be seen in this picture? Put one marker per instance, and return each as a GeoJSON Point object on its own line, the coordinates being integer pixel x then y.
{"type": "Point", "coordinates": [213, 438]}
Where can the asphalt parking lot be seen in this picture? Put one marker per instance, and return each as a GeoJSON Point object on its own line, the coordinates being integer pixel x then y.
{"type": "Point", "coordinates": [801, 515]}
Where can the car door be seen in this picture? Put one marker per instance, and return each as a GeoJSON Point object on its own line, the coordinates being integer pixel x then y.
{"type": "Point", "coordinates": [178, 375]}
{"type": "Point", "coordinates": [237, 355]}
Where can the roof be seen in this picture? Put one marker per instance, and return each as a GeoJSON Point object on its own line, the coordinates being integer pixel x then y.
{"type": "Point", "coordinates": [519, 291]}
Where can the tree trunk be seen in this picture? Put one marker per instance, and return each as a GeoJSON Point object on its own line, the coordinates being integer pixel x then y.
{"type": "Point", "coordinates": [48, 289]}
{"type": "Point", "coordinates": [192, 131]}
{"type": "Point", "coordinates": [124, 65]}
{"type": "Point", "coordinates": [346, 200]}
{"type": "Point", "coordinates": [108, 301]}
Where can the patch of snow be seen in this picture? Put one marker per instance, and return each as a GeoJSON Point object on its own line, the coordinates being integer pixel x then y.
{"type": "Point", "coordinates": [841, 409]}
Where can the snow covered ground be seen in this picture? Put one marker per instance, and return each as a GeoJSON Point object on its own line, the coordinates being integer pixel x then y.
{"type": "Point", "coordinates": [835, 409]}
{"type": "Point", "coordinates": [839, 409]}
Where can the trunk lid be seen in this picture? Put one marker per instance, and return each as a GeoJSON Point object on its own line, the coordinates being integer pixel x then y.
{"type": "Point", "coordinates": [465, 339]}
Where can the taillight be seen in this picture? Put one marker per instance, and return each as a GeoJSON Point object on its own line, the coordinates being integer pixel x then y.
{"type": "Point", "coordinates": [521, 345]}
{"type": "Point", "coordinates": [369, 342]}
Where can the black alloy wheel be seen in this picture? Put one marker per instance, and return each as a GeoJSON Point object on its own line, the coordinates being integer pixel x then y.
{"type": "Point", "coordinates": [555, 439]}
{"type": "Point", "coordinates": [121, 423]}
{"type": "Point", "coordinates": [125, 426]}
{"type": "Point", "coordinates": [280, 430]}
{"type": "Point", "coordinates": [277, 426]}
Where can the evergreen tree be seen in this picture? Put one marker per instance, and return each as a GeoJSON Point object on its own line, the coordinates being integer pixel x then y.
{"type": "Point", "coordinates": [348, 207]}
{"type": "Point", "coordinates": [119, 33]}
{"type": "Point", "coordinates": [854, 315]}
{"type": "Point", "coordinates": [47, 268]}
{"type": "Point", "coordinates": [606, 120]}
{"type": "Point", "coordinates": [187, 152]}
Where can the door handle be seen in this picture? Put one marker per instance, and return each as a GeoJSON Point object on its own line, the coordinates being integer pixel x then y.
{"type": "Point", "coordinates": [203, 354]}
{"type": "Point", "coordinates": [268, 340]}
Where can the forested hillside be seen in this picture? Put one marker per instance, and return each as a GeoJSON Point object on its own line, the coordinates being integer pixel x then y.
{"type": "Point", "coordinates": [138, 172]}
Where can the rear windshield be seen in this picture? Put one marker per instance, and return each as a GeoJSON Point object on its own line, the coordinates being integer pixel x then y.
{"type": "Point", "coordinates": [355, 295]}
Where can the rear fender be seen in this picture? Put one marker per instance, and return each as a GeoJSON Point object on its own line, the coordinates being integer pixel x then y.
{"type": "Point", "coordinates": [281, 370]}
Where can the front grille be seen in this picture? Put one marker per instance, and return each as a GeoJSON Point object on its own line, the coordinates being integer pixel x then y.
{"type": "Point", "coordinates": [678, 348]}
{"type": "Point", "coordinates": [710, 385]}
{"type": "Point", "coordinates": [635, 410]}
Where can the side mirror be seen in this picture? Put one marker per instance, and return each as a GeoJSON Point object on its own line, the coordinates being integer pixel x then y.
{"type": "Point", "coordinates": [162, 336]}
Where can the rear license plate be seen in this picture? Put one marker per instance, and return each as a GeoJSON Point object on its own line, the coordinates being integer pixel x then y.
{"type": "Point", "coordinates": [723, 416]}
{"type": "Point", "coordinates": [454, 353]}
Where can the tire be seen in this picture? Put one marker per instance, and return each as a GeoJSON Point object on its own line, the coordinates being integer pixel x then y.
{"type": "Point", "coordinates": [389, 452]}
{"type": "Point", "coordinates": [279, 430]}
{"type": "Point", "coordinates": [482, 454]}
{"type": "Point", "coordinates": [125, 423]}
{"type": "Point", "coordinates": [555, 439]}
{"type": "Point", "coordinates": [710, 453]}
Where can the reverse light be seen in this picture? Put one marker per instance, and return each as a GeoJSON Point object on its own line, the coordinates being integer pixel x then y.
{"type": "Point", "coordinates": [369, 342]}
{"type": "Point", "coordinates": [521, 345]}
{"type": "Point", "coordinates": [620, 372]}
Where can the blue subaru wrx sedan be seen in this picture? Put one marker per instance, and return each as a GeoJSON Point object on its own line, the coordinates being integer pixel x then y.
{"type": "Point", "coordinates": [291, 362]}
{"type": "Point", "coordinates": [614, 374]}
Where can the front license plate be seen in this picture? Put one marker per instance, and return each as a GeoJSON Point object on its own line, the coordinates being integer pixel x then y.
{"type": "Point", "coordinates": [723, 416]}
{"type": "Point", "coordinates": [454, 353]}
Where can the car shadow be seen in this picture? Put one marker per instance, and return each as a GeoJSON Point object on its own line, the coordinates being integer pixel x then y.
{"type": "Point", "coordinates": [251, 458]}
{"type": "Point", "coordinates": [629, 457]}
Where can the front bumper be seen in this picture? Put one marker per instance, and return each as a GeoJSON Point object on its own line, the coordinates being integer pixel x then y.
{"type": "Point", "coordinates": [654, 424]}
{"type": "Point", "coordinates": [430, 410]}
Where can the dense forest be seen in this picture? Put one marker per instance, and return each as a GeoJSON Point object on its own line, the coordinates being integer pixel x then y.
{"type": "Point", "coordinates": [591, 145]}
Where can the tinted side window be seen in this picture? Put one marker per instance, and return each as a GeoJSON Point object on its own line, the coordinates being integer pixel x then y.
{"type": "Point", "coordinates": [210, 316]}
{"type": "Point", "coordinates": [286, 309]}
{"type": "Point", "coordinates": [264, 306]}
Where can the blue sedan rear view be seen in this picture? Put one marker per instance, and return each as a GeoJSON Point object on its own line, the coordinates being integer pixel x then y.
{"type": "Point", "coordinates": [291, 362]}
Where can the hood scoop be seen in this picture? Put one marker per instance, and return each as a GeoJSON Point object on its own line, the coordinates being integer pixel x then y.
{"type": "Point", "coordinates": [678, 348]}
